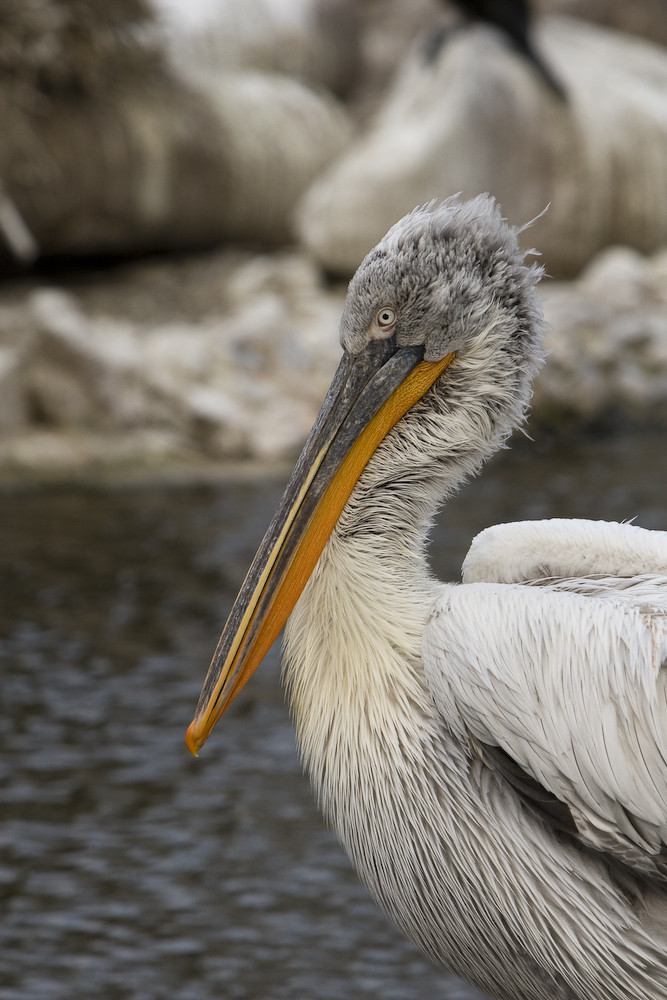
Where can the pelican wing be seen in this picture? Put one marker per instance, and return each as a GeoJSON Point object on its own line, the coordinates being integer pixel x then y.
{"type": "Point", "coordinates": [525, 551]}
{"type": "Point", "coordinates": [563, 687]}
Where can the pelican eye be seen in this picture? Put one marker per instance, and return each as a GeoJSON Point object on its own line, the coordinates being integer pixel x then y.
{"type": "Point", "coordinates": [384, 322]}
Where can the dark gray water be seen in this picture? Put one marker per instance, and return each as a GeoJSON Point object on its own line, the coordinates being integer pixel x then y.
{"type": "Point", "coordinates": [129, 870]}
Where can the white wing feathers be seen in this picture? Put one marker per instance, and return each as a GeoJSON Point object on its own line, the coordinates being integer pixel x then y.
{"type": "Point", "coordinates": [568, 678]}
{"type": "Point", "coordinates": [561, 547]}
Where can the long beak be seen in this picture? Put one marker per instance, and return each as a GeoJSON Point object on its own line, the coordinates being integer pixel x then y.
{"type": "Point", "coordinates": [369, 393]}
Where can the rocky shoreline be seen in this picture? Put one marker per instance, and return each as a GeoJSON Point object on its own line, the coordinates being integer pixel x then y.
{"type": "Point", "coordinates": [222, 360]}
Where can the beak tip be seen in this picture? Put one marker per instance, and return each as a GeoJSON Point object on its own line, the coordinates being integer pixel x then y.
{"type": "Point", "coordinates": [191, 741]}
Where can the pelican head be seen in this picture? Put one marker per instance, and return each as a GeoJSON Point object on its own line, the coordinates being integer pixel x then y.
{"type": "Point", "coordinates": [441, 318]}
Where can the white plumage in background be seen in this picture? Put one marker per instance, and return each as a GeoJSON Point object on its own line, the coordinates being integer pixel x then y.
{"type": "Point", "coordinates": [492, 754]}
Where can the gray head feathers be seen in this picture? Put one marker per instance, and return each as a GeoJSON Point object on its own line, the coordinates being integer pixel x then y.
{"type": "Point", "coordinates": [448, 270]}
{"type": "Point", "coordinates": [455, 277]}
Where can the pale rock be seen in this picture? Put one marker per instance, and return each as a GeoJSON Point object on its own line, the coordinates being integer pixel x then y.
{"type": "Point", "coordinates": [281, 427]}
{"type": "Point", "coordinates": [86, 373]}
{"type": "Point", "coordinates": [176, 351]}
{"type": "Point", "coordinates": [607, 340]}
{"type": "Point", "coordinates": [215, 422]}
{"type": "Point", "coordinates": [620, 275]}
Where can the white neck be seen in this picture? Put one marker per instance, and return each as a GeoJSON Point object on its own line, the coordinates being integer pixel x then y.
{"type": "Point", "coordinates": [353, 642]}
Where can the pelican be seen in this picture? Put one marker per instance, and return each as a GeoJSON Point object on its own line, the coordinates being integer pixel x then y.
{"type": "Point", "coordinates": [492, 754]}
{"type": "Point", "coordinates": [514, 19]}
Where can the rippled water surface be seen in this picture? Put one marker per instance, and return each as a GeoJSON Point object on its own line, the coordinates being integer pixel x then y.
{"type": "Point", "coordinates": [129, 870]}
